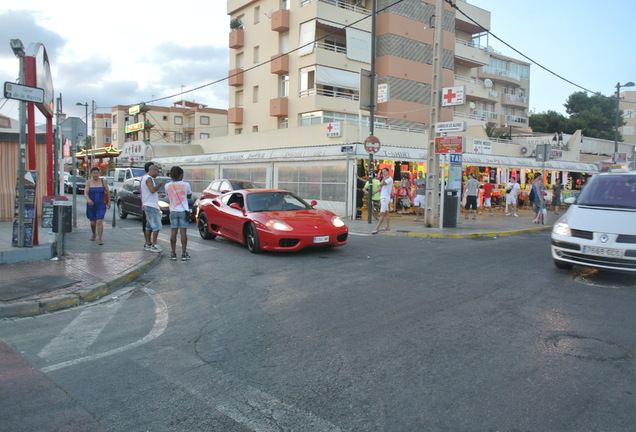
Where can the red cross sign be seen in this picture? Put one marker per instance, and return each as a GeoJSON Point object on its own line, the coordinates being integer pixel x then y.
{"type": "Point", "coordinates": [453, 96]}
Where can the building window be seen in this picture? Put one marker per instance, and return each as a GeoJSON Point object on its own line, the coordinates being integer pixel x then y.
{"type": "Point", "coordinates": [107, 139]}
{"type": "Point", "coordinates": [107, 124]}
{"type": "Point", "coordinates": [628, 130]}
{"type": "Point", "coordinates": [114, 136]}
{"type": "Point", "coordinates": [178, 120]}
{"type": "Point", "coordinates": [178, 137]}
{"type": "Point", "coordinates": [629, 113]}
{"type": "Point", "coordinates": [254, 129]}
{"type": "Point", "coordinates": [239, 98]}
{"type": "Point", "coordinates": [283, 86]}
{"type": "Point", "coordinates": [257, 54]}
{"type": "Point", "coordinates": [204, 120]}
{"type": "Point", "coordinates": [255, 94]}
{"type": "Point", "coordinates": [239, 60]}
{"type": "Point", "coordinates": [284, 4]}
{"type": "Point", "coordinates": [114, 118]}
{"type": "Point", "coordinates": [307, 79]}
{"type": "Point", "coordinates": [238, 131]}
{"type": "Point", "coordinates": [204, 136]}
{"type": "Point", "coordinates": [257, 14]}
{"type": "Point", "coordinates": [283, 123]}
{"type": "Point", "coordinates": [165, 118]}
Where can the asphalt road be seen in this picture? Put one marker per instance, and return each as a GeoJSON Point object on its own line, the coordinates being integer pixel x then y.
{"type": "Point", "coordinates": [385, 334]}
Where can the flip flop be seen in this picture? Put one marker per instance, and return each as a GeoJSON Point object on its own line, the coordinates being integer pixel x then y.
{"type": "Point", "coordinates": [92, 238]}
{"type": "Point", "coordinates": [100, 243]}
{"type": "Point", "coordinates": [374, 232]}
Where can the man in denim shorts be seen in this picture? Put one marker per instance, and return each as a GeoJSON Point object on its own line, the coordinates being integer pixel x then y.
{"type": "Point", "coordinates": [178, 192]}
{"type": "Point", "coordinates": [149, 189]}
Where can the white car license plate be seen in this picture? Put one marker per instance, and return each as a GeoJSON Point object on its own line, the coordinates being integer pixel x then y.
{"type": "Point", "coordinates": [602, 251]}
{"type": "Point", "coordinates": [321, 239]}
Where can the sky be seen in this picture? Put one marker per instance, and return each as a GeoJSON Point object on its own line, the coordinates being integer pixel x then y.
{"type": "Point", "coordinates": [155, 51]}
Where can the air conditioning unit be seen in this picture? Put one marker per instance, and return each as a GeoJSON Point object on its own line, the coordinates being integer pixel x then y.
{"type": "Point", "coordinates": [525, 150]}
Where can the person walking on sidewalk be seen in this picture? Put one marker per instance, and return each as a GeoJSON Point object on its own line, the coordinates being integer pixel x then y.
{"type": "Point", "coordinates": [178, 193]}
{"type": "Point", "coordinates": [556, 196]}
{"type": "Point", "coordinates": [512, 192]}
{"type": "Point", "coordinates": [150, 204]}
{"type": "Point", "coordinates": [487, 187]}
{"type": "Point", "coordinates": [472, 192]}
{"type": "Point", "coordinates": [386, 187]}
{"type": "Point", "coordinates": [420, 196]}
{"type": "Point", "coordinates": [538, 205]}
{"type": "Point", "coordinates": [97, 202]}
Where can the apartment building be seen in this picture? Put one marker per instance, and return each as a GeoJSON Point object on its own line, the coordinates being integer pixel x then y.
{"type": "Point", "coordinates": [627, 104]}
{"type": "Point", "coordinates": [180, 123]}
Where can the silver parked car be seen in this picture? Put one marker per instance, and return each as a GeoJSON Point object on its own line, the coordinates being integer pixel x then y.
{"type": "Point", "coordinates": [599, 228]}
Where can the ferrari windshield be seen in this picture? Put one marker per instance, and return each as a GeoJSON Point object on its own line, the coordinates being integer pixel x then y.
{"type": "Point", "coordinates": [617, 191]}
{"type": "Point", "coordinates": [275, 201]}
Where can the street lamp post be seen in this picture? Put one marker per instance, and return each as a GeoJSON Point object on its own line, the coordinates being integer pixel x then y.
{"type": "Point", "coordinates": [20, 53]}
{"type": "Point", "coordinates": [618, 111]}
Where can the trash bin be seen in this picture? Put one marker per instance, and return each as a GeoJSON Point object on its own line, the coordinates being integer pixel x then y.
{"type": "Point", "coordinates": [451, 208]}
{"type": "Point", "coordinates": [63, 210]}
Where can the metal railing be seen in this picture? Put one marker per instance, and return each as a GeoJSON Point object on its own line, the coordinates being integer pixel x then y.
{"type": "Point", "coordinates": [500, 72]}
{"type": "Point", "coordinates": [341, 4]}
{"type": "Point", "coordinates": [329, 93]}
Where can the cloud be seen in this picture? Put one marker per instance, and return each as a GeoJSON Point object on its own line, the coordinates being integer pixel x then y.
{"type": "Point", "coordinates": [22, 25]}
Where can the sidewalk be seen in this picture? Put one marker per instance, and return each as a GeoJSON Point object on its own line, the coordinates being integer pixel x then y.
{"type": "Point", "coordinates": [32, 283]}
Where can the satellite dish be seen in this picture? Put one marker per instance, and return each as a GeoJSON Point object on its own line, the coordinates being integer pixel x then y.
{"type": "Point", "coordinates": [489, 49]}
{"type": "Point", "coordinates": [200, 106]}
{"type": "Point", "coordinates": [269, 13]}
{"type": "Point", "coordinates": [488, 83]}
{"type": "Point", "coordinates": [472, 105]}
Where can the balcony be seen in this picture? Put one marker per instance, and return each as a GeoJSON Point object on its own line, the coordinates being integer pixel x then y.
{"type": "Point", "coordinates": [279, 107]}
{"type": "Point", "coordinates": [235, 77]}
{"type": "Point", "coordinates": [358, 7]}
{"type": "Point", "coordinates": [280, 64]}
{"type": "Point", "coordinates": [513, 120]}
{"type": "Point", "coordinates": [237, 39]}
{"type": "Point", "coordinates": [476, 89]}
{"type": "Point", "coordinates": [499, 75]}
{"type": "Point", "coordinates": [280, 20]}
{"type": "Point", "coordinates": [470, 55]}
{"type": "Point", "coordinates": [514, 100]}
{"type": "Point", "coordinates": [235, 115]}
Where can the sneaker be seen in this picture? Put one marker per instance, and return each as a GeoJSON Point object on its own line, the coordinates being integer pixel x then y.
{"type": "Point", "coordinates": [173, 256]}
{"type": "Point", "coordinates": [507, 214]}
{"type": "Point", "coordinates": [516, 215]}
{"type": "Point", "coordinates": [147, 247]}
{"type": "Point", "coordinates": [155, 249]}
{"type": "Point", "coordinates": [185, 256]}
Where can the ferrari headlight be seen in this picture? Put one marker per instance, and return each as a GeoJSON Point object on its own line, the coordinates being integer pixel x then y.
{"type": "Point", "coordinates": [278, 225]}
{"type": "Point", "coordinates": [562, 228]}
{"type": "Point", "coordinates": [337, 222]}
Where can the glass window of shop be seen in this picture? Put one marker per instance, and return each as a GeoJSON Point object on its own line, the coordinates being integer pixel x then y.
{"type": "Point", "coordinates": [314, 182]}
{"type": "Point", "coordinates": [257, 175]}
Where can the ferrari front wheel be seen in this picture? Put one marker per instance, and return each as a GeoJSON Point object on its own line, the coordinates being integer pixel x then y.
{"type": "Point", "coordinates": [251, 238]}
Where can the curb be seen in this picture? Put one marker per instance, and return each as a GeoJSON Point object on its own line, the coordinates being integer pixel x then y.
{"type": "Point", "coordinates": [468, 236]}
{"type": "Point", "coordinates": [79, 297]}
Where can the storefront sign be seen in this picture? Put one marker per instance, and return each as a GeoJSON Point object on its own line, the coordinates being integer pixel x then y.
{"type": "Point", "coordinates": [453, 96]}
{"type": "Point", "coordinates": [134, 127]}
{"type": "Point", "coordinates": [449, 144]}
{"type": "Point", "coordinates": [333, 130]}
{"type": "Point", "coordinates": [482, 146]}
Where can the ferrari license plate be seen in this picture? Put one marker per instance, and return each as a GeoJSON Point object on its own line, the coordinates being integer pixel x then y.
{"type": "Point", "coordinates": [321, 239]}
{"type": "Point", "coordinates": [602, 251]}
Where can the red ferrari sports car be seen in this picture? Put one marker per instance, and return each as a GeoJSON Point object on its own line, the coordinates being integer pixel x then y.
{"type": "Point", "coordinates": [272, 220]}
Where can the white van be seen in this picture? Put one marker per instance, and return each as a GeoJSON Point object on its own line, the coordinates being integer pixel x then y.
{"type": "Point", "coordinates": [123, 174]}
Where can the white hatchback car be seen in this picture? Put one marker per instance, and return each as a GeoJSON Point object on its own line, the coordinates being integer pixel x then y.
{"type": "Point", "coordinates": [599, 228]}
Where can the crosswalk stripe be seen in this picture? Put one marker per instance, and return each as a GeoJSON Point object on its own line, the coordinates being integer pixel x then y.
{"type": "Point", "coordinates": [81, 332]}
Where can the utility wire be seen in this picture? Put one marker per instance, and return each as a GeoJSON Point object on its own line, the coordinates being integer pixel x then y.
{"type": "Point", "coordinates": [274, 58]}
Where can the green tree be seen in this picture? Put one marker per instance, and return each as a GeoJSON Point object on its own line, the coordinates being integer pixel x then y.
{"type": "Point", "coordinates": [594, 115]}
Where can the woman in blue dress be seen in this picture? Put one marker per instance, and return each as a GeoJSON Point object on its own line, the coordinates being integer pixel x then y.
{"type": "Point", "coordinates": [97, 201]}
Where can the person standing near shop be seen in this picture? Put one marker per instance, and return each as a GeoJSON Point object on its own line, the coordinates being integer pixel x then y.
{"type": "Point", "coordinates": [556, 196]}
{"type": "Point", "coordinates": [178, 193]}
{"type": "Point", "coordinates": [97, 201]}
{"type": "Point", "coordinates": [487, 187]}
{"type": "Point", "coordinates": [538, 205]}
{"type": "Point", "coordinates": [150, 203]}
{"type": "Point", "coordinates": [472, 192]}
{"type": "Point", "coordinates": [386, 187]}
{"type": "Point", "coordinates": [374, 183]}
{"type": "Point", "coordinates": [512, 192]}
{"type": "Point", "coordinates": [420, 196]}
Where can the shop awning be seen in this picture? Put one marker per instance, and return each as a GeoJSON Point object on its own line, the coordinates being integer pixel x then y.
{"type": "Point", "coordinates": [526, 163]}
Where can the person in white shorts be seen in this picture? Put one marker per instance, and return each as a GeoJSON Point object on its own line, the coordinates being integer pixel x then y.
{"type": "Point", "coordinates": [386, 187]}
{"type": "Point", "coordinates": [420, 198]}
{"type": "Point", "coordinates": [512, 191]}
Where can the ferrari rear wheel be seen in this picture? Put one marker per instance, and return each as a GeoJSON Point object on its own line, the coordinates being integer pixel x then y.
{"type": "Point", "coordinates": [251, 238]}
{"type": "Point", "coordinates": [202, 226]}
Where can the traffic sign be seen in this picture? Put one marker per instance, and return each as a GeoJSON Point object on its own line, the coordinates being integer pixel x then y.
{"type": "Point", "coordinates": [372, 144]}
{"type": "Point", "coordinates": [23, 93]}
{"type": "Point", "coordinates": [456, 126]}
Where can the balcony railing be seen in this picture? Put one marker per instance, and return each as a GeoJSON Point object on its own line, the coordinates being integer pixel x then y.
{"type": "Point", "coordinates": [516, 98]}
{"type": "Point", "coordinates": [516, 119]}
{"type": "Point", "coordinates": [341, 4]}
{"type": "Point", "coordinates": [330, 93]}
{"type": "Point", "coordinates": [501, 72]}
{"type": "Point", "coordinates": [331, 47]}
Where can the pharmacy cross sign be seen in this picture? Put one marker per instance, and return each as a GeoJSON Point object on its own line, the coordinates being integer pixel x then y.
{"type": "Point", "coordinates": [449, 96]}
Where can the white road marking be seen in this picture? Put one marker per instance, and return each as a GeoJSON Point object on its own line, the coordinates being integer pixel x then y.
{"type": "Point", "coordinates": [82, 332]}
{"type": "Point", "coordinates": [245, 404]}
{"type": "Point", "coordinates": [161, 322]}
